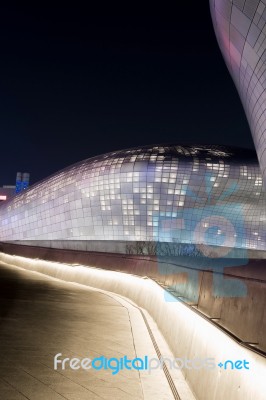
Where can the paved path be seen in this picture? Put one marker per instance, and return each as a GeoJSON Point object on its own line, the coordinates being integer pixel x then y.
{"type": "Point", "coordinates": [40, 317]}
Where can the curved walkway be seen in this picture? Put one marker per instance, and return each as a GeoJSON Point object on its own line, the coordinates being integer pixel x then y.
{"type": "Point", "coordinates": [40, 317]}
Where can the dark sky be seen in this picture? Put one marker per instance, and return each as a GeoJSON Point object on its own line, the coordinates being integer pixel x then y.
{"type": "Point", "coordinates": [76, 82]}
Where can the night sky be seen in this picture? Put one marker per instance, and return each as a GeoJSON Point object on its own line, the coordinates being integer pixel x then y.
{"type": "Point", "coordinates": [76, 82]}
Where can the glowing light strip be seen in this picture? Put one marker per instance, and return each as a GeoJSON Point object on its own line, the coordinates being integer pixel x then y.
{"type": "Point", "coordinates": [188, 334]}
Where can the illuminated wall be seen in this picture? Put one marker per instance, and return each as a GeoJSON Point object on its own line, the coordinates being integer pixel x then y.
{"type": "Point", "coordinates": [240, 28]}
{"type": "Point", "coordinates": [155, 193]}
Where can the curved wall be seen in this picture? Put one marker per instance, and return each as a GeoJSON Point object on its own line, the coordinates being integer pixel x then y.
{"type": "Point", "coordinates": [240, 28]}
{"type": "Point", "coordinates": [192, 194]}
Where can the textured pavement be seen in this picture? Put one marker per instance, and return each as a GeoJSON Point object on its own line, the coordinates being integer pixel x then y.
{"type": "Point", "coordinates": [40, 317]}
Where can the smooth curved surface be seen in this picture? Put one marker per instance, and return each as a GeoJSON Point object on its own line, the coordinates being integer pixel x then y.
{"type": "Point", "coordinates": [240, 28]}
{"type": "Point", "coordinates": [208, 195]}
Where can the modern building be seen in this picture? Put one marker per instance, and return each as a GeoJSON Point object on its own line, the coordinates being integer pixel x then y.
{"type": "Point", "coordinates": [240, 28]}
{"type": "Point", "coordinates": [22, 181]}
{"type": "Point", "coordinates": [192, 218]}
{"type": "Point", "coordinates": [203, 204]}
{"type": "Point", "coordinates": [177, 194]}
{"type": "Point", "coordinates": [208, 195]}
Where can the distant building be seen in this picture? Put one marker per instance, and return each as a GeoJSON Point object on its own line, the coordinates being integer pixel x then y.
{"type": "Point", "coordinates": [22, 181]}
{"type": "Point", "coordinates": [7, 192]}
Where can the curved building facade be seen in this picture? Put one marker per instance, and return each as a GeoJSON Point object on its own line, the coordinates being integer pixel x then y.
{"type": "Point", "coordinates": [240, 28]}
{"type": "Point", "coordinates": [186, 194]}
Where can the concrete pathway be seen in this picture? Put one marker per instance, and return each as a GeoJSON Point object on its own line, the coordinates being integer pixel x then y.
{"type": "Point", "coordinates": [40, 317]}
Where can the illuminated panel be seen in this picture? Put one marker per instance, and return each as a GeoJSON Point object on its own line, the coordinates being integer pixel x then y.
{"type": "Point", "coordinates": [154, 193]}
{"type": "Point", "coordinates": [2, 198]}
